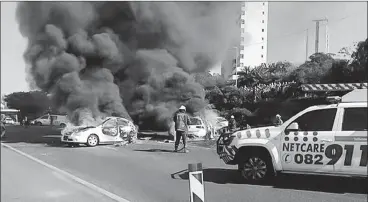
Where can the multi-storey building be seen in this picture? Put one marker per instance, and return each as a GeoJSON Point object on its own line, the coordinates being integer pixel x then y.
{"type": "Point", "coordinates": [253, 32]}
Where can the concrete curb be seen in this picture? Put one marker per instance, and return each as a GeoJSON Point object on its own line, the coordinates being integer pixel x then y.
{"type": "Point", "coordinates": [77, 179]}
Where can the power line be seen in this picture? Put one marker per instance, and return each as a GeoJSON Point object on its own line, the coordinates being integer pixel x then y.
{"type": "Point", "coordinates": [296, 33]}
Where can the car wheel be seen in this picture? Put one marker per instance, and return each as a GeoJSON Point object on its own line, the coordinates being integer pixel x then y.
{"type": "Point", "coordinates": [62, 125]}
{"type": "Point", "coordinates": [256, 168]}
{"type": "Point", "coordinates": [38, 124]}
{"type": "Point", "coordinates": [92, 140]}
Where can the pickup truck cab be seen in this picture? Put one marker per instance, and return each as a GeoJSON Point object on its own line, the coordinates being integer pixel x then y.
{"type": "Point", "coordinates": [325, 140]}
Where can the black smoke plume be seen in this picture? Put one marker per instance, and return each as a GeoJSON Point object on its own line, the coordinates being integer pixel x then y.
{"type": "Point", "coordinates": [128, 59]}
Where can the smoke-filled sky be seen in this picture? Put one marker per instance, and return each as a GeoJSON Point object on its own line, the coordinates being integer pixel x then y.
{"type": "Point", "coordinates": [13, 44]}
{"type": "Point", "coordinates": [135, 60]}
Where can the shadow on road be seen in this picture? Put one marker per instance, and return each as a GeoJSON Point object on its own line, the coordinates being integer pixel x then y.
{"type": "Point", "coordinates": [291, 182]}
{"type": "Point", "coordinates": [33, 135]}
{"type": "Point", "coordinates": [155, 150]}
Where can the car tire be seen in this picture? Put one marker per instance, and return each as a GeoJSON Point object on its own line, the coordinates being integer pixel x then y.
{"type": "Point", "coordinates": [62, 125]}
{"type": "Point", "coordinates": [256, 168]}
{"type": "Point", "coordinates": [72, 144]}
{"type": "Point", "coordinates": [38, 124]}
{"type": "Point", "coordinates": [92, 140]}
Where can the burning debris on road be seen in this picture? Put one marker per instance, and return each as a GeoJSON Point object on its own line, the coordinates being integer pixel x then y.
{"type": "Point", "coordinates": [128, 59]}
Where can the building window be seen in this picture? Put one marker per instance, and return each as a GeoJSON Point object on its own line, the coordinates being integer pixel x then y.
{"type": "Point", "coordinates": [262, 12]}
{"type": "Point", "coordinates": [242, 21]}
{"type": "Point", "coordinates": [261, 56]}
{"type": "Point", "coordinates": [263, 3]}
{"type": "Point", "coordinates": [262, 30]}
{"type": "Point", "coordinates": [241, 47]}
{"type": "Point", "coordinates": [242, 39]}
{"type": "Point", "coordinates": [262, 21]}
{"type": "Point", "coordinates": [241, 56]}
{"type": "Point", "coordinates": [243, 12]}
{"type": "Point", "coordinates": [262, 47]}
{"type": "Point", "coordinates": [262, 39]}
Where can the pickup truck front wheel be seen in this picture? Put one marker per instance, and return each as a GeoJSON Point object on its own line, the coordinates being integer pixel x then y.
{"type": "Point", "coordinates": [255, 168]}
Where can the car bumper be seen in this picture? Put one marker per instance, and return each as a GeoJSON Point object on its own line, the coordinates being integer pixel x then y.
{"type": "Point", "coordinates": [226, 151]}
{"type": "Point", "coordinates": [70, 139]}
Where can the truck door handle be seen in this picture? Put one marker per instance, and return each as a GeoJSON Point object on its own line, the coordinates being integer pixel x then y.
{"type": "Point", "coordinates": [326, 140]}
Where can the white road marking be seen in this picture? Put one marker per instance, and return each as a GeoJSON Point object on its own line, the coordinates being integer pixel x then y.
{"type": "Point", "coordinates": [66, 174]}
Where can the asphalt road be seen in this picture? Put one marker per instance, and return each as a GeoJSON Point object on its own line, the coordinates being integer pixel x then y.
{"type": "Point", "coordinates": [25, 180]}
{"type": "Point", "coordinates": [150, 171]}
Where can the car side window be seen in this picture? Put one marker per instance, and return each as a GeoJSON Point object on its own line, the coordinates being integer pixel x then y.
{"type": "Point", "coordinates": [318, 120]}
{"type": "Point", "coordinates": [54, 117]}
{"type": "Point", "coordinates": [122, 122]}
{"type": "Point", "coordinates": [45, 117]}
{"type": "Point", "coordinates": [110, 123]}
{"type": "Point", "coordinates": [355, 119]}
{"type": "Point", "coordinates": [109, 128]}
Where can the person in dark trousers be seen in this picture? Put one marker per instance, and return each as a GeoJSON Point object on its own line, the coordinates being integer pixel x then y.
{"type": "Point", "coordinates": [181, 120]}
{"type": "Point", "coordinates": [51, 120]}
{"type": "Point", "coordinates": [232, 124]}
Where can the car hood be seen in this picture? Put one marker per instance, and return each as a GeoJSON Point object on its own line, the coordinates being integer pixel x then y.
{"type": "Point", "coordinates": [68, 131]}
{"type": "Point", "coordinates": [266, 132]}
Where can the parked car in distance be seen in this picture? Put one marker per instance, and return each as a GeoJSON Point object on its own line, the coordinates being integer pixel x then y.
{"type": "Point", "coordinates": [9, 120]}
{"type": "Point", "coordinates": [58, 120]}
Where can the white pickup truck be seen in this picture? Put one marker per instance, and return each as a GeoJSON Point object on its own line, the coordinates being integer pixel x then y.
{"type": "Point", "coordinates": [325, 140]}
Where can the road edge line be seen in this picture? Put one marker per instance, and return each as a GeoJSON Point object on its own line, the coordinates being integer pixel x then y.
{"type": "Point", "coordinates": [73, 177]}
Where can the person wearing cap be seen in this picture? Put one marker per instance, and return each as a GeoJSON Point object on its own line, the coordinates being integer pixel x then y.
{"type": "Point", "coordinates": [278, 120]}
{"type": "Point", "coordinates": [181, 120]}
{"type": "Point", "coordinates": [232, 123]}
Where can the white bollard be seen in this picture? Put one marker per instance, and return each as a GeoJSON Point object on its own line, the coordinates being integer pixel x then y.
{"type": "Point", "coordinates": [196, 184]}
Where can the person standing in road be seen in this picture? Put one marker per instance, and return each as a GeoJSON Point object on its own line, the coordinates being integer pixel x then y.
{"type": "Point", "coordinates": [181, 120]}
{"type": "Point", "coordinates": [232, 123]}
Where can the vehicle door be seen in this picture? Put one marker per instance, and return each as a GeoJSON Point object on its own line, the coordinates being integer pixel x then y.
{"type": "Point", "coordinates": [109, 131]}
{"type": "Point", "coordinates": [45, 120]}
{"type": "Point", "coordinates": [307, 148]}
{"type": "Point", "coordinates": [196, 127]}
{"type": "Point", "coordinates": [351, 142]}
{"type": "Point", "coordinates": [123, 128]}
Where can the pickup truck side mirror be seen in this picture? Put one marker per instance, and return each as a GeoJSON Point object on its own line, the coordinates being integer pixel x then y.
{"type": "Point", "coordinates": [293, 127]}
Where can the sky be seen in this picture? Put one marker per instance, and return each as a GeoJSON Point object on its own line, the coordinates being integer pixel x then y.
{"type": "Point", "coordinates": [287, 22]}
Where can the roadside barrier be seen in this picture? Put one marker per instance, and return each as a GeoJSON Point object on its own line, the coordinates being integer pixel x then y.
{"type": "Point", "coordinates": [196, 186]}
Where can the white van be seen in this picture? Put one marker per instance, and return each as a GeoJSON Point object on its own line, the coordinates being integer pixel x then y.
{"type": "Point", "coordinates": [58, 120]}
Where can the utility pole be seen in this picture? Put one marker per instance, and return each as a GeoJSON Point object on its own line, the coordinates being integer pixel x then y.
{"type": "Point", "coordinates": [317, 33]}
{"type": "Point", "coordinates": [306, 46]}
{"type": "Point", "coordinates": [327, 37]}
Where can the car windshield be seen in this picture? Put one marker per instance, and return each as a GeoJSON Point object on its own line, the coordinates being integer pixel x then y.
{"type": "Point", "coordinates": [195, 121]}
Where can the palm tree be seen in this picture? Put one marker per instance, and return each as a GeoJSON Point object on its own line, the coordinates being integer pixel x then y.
{"type": "Point", "coordinates": [251, 78]}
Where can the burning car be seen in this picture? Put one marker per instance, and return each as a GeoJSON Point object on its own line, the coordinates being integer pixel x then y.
{"type": "Point", "coordinates": [111, 130]}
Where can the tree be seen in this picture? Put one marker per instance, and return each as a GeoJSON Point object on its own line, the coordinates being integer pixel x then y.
{"type": "Point", "coordinates": [314, 69]}
{"type": "Point", "coordinates": [31, 104]}
{"type": "Point", "coordinates": [359, 63]}
{"type": "Point", "coordinates": [209, 81]}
